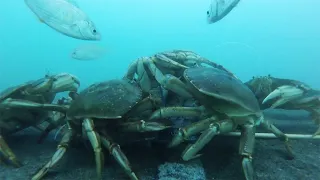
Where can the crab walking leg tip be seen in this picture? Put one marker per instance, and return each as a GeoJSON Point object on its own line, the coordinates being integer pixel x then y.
{"type": "Point", "coordinates": [8, 153]}
{"type": "Point", "coordinates": [177, 139]}
{"type": "Point", "coordinates": [118, 155]}
{"type": "Point", "coordinates": [316, 133]}
{"type": "Point", "coordinates": [247, 167]}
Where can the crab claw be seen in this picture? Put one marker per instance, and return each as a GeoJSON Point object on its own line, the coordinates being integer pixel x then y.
{"type": "Point", "coordinates": [65, 82]}
{"type": "Point", "coordinates": [284, 94]}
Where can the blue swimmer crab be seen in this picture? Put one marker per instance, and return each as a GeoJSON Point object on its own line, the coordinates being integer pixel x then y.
{"type": "Point", "coordinates": [28, 104]}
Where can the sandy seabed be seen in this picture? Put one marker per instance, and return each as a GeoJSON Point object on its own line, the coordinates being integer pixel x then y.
{"type": "Point", "coordinates": [220, 160]}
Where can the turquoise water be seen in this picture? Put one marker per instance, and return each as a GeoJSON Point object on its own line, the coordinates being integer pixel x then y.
{"type": "Point", "coordinates": [284, 38]}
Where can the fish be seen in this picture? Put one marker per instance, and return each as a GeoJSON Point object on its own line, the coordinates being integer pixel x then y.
{"type": "Point", "coordinates": [218, 9]}
{"type": "Point", "coordinates": [88, 52]}
{"type": "Point", "coordinates": [66, 17]}
{"type": "Point", "coordinates": [74, 2]}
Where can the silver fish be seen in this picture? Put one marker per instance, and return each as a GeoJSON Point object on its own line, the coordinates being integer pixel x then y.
{"type": "Point", "coordinates": [88, 52]}
{"type": "Point", "coordinates": [219, 9]}
{"type": "Point", "coordinates": [65, 17]}
{"type": "Point", "coordinates": [74, 2]}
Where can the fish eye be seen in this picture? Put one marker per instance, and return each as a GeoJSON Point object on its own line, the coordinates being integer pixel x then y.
{"type": "Point", "coordinates": [207, 12]}
{"type": "Point", "coordinates": [94, 31]}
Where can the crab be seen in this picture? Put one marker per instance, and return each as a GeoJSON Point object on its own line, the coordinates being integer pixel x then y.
{"type": "Point", "coordinates": [230, 105]}
{"type": "Point", "coordinates": [101, 110]}
{"type": "Point", "coordinates": [287, 94]}
{"type": "Point", "coordinates": [262, 86]}
{"type": "Point", "coordinates": [158, 73]}
{"type": "Point", "coordinates": [297, 97]}
{"type": "Point", "coordinates": [28, 104]}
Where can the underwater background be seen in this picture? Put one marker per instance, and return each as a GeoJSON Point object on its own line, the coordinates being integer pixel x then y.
{"type": "Point", "coordinates": [262, 37]}
{"type": "Point", "coordinates": [257, 38]}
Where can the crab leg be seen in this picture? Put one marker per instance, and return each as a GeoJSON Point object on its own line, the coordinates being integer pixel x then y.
{"type": "Point", "coordinates": [144, 79]}
{"type": "Point", "coordinates": [143, 126]}
{"type": "Point", "coordinates": [214, 129]}
{"type": "Point", "coordinates": [15, 103]}
{"type": "Point", "coordinates": [187, 57]}
{"type": "Point", "coordinates": [190, 130]}
{"type": "Point", "coordinates": [40, 86]}
{"type": "Point", "coordinates": [164, 61]}
{"type": "Point", "coordinates": [285, 94]}
{"type": "Point", "coordinates": [137, 67]}
{"type": "Point", "coordinates": [7, 153]}
{"type": "Point", "coordinates": [131, 70]}
{"type": "Point", "coordinates": [61, 150]}
{"type": "Point", "coordinates": [95, 141]}
{"type": "Point", "coordinates": [315, 112]}
{"type": "Point", "coordinates": [246, 148]}
{"type": "Point", "coordinates": [54, 122]}
{"type": "Point", "coordinates": [169, 81]}
{"type": "Point", "coordinates": [65, 82]}
{"type": "Point", "coordinates": [144, 105]}
{"type": "Point", "coordinates": [316, 118]}
{"type": "Point", "coordinates": [270, 127]}
{"type": "Point", "coordinates": [118, 155]}
{"type": "Point", "coordinates": [177, 112]}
